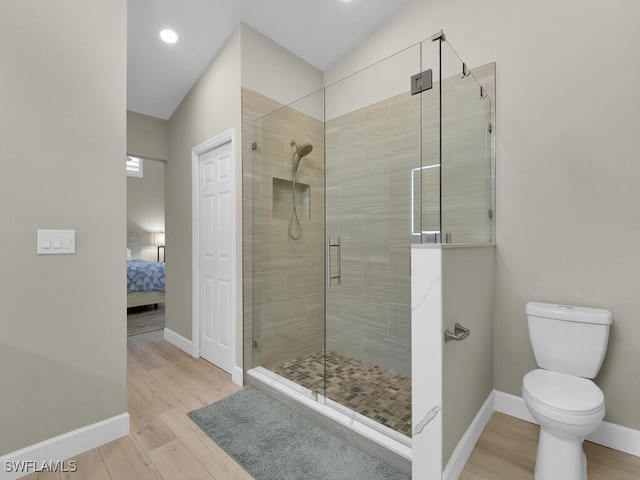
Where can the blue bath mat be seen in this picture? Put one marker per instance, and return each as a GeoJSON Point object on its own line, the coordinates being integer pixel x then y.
{"type": "Point", "coordinates": [272, 442]}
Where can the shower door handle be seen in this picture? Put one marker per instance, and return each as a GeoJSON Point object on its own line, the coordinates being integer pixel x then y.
{"type": "Point", "coordinates": [333, 244]}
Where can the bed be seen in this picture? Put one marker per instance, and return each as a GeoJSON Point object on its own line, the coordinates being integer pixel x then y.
{"type": "Point", "coordinates": [145, 282]}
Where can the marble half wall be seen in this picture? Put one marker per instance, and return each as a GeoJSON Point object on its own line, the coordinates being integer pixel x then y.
{"type": "Point", "coordinates": [426, 358]}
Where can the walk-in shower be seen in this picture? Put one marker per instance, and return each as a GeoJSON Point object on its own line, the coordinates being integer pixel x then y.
{"type": "Point", "coordinates": [328, 296]}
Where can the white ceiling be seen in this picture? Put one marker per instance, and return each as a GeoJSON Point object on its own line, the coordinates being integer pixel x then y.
{"type": "Point", "coordinates": [160, 75]}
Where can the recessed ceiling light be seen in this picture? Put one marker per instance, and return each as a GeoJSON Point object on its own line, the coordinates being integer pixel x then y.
{"type": "Point", "coordinates": [169, 36]}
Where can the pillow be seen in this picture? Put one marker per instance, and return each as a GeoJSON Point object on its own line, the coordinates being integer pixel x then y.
{"type": "Point", "coordinates": [129, 257]}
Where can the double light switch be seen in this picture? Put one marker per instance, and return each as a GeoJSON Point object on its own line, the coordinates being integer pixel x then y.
{"type": "Point", "coordinates": [56, 241]}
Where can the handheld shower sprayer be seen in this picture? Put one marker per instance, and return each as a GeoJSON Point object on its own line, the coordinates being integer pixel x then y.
{"type": "Point", "coordinates": [301, 152]}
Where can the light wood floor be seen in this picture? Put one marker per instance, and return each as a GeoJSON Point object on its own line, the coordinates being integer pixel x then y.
{"type": "Point", "coordinates": [507, 449]}
{"type": "Point", "coordinates": [165, 383]}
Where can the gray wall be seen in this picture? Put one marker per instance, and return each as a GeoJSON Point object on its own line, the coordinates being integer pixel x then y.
{"type": "Point", "coordinates": [145, 206]}
{"type": "Point", "coordinates": [467, 366]}
{"type": "Point", "coordinates": [211, 107]}
{"type": "Point", "coordinates": [567, 170]}
{"type": "Point", "coordinates": [62, 153]}
{"type": "Point", "coordinates": [273, 71]}
{"type": "Point", "coordinates": [147, 137]}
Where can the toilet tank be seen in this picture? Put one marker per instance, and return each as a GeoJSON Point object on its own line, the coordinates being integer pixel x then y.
{"type": "Point", "coordinates": [568, 339]}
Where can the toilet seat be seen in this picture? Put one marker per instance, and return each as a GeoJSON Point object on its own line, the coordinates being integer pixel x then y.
{"type": "Point", "coordinates": [564, 393]}
{"type": "Point", "coordinates": [564, 398]}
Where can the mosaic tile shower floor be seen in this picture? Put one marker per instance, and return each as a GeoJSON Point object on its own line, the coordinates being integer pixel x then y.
{"type": "Point", "coordinates": [375, 392]}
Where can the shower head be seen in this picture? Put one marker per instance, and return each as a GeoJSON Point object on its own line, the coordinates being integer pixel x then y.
{"type": "Point", "coordinates": [301, 151]}
{"type": "Point", "coordinates": [304, 150]}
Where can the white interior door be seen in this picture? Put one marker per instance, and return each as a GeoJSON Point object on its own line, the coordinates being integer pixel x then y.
{"type": "Point", "coordinates": [217, 255]}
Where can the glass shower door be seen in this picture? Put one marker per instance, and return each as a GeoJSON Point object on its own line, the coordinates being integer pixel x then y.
{"type": "Point", "coordinates": [287, 251]}
{"type": "Point", "coordinates": [373, 185]}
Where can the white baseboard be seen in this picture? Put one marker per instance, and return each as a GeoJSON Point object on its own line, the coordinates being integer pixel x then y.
{"type": "Point", "coordinates": [610, 435]}
{"type": "Point", "coordinates": [63, 447]}
{"type": "Point", "coordinates": [179, 341]}
{"type": "Point", "coordinates": [237, 376]}
{"type": "Point", "coordinates": [615, 436]}
{"type": "Point", "coordinates": [512, 405]}
{"type": "Point", "coordinates": [465, 446]}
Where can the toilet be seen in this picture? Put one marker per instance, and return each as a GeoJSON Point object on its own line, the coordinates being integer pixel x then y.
{"type": "Point", "coordinates": [569, 344]}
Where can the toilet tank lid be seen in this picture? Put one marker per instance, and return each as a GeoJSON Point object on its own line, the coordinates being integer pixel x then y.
{"type": "Point", "coordinates": [569, 313]}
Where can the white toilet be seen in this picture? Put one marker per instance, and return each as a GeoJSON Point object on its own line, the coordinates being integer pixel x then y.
{"type": "Point", "coordinates": [569, 344]}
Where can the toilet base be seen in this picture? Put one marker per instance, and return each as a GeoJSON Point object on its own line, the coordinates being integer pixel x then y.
{"type": "Point", "coordinates": [560, 458]}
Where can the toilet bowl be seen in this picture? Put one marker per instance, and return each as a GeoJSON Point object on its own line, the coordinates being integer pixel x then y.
{"type": "Point", "coordinates": [569, 344]}
{"type": "Point", "coordinates": [568, 408]}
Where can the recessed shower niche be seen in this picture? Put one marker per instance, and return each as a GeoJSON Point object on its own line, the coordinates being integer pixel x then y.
{"type": "Point", "coordinates": [284, 195]}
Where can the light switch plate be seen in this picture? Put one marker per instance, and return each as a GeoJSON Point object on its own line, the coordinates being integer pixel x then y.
{"type": "Point", "coordinates": [56, 242]}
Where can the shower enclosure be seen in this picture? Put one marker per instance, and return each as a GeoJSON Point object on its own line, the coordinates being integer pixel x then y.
{"type": "Point", "coordinates": [396, 154]}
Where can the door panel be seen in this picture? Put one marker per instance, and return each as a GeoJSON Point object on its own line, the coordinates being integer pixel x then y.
{"type": "Point", "coordinates": [216, 257]}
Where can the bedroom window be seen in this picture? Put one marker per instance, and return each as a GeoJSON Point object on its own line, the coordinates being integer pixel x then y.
{"type": "Point", "coordinates": [134, 167]}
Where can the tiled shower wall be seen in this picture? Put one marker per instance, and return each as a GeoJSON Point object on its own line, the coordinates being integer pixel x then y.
{"type": "Point", "coordinates": [284, 278]}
